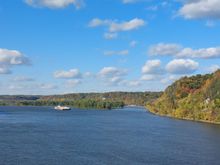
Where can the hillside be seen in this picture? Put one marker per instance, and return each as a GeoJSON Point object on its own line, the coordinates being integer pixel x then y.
{"type": "Point", "coordinates": [128, 98]}
{"type": "Point", "coordinates": [194, 98]}
{"type": "Point", "coordinates": [84, 100]}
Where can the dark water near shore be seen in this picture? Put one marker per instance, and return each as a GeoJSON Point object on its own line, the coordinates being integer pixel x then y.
{"type": "Point", "coordinates": [43, 136]}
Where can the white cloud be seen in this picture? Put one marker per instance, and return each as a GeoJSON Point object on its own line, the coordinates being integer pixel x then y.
{"type": "Point", "coordinates": [179, 52]}
{"type": "Point", "coordinates": [98, 22]}
{"type": "Point", "coordinates": [148, 77]}
{"type": "Point", "coordinates": [212, 52]}
{"type": "Point", "coordinates": [182, 66]}
{"type": "Point", "coordinates": [126, 26]}
{"type": "Point", "coordinates": [112, 72]}
{"type": "Point", "coordinates": [112, 52]}
{"type": "Point", "coordinates": [117, 80]}
{"type": "Point", "coordinates": [55, 3]}
{"type": "Point", "coordinates": [72, 73]}
{"type": "Point", "coordinates": [196, 9]}
{"type": "Point", "coordinates": [113, 76]}
{"type": "Point", "coordinates": [164, 49]}
{"type": "Point", "coordinates": [152, 67]}
{"type": "Point", "coordinates": [10, 58]}
{"type": "Point", "coordinates": [152, 70]}
{"type": "Point", "coordinates": [114, 26]}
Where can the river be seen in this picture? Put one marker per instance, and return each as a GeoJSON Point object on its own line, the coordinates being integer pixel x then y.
{"type": "Point", "coordinates": [129, 136]}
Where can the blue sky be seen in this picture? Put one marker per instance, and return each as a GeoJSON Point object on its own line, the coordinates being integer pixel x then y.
{"type": "Point", "coordinates": [65, 46]}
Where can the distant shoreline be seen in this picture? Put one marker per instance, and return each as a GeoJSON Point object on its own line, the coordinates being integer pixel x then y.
{"type": "Point", "coordinates": [52, 107]}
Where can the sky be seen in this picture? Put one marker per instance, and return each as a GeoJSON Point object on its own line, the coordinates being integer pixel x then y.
{"type": "Point", "coordinates": [70, 46]}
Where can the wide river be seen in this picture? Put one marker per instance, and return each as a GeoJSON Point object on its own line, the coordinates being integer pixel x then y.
{"type": "Point", "coordinates": [131, 136]}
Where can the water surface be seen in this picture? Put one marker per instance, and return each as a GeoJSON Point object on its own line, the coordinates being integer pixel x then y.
{"type": "Point", "coordinates": [43, 136]}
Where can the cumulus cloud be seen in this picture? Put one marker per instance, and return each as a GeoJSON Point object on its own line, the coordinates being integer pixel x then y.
{"type": "Point", "coordinates": [98, 22]}
{"type": "Point", "coordinates": [149, 77]}
{"type": "Point", "coordinates": [112, 75]}
{"type": "Point", "coordinates": [112, 72]}
{"type": "Point", "coordinates": [112, 52]}
{"type": "Point", "coordinates": [164, 49]}
{"type": "Point", "coordinates": [152, 67]}
{"type": "Point", "coordinates": [10, 58]}
{"type": "Point", "coordinates": [114, 26]}
{"type": "Point", "coordinates": [180, 52]}
{"type": "Point", "coordinates": [182, 66]}
{"type": "Point", "coordinates": [152, 70]}
{"type": "Point", "coordinates": [126, 26]}
{"type": "Point", "coordinates": [198, 9]}
{"type": "Point", "coordinates": [72, 73]}
{"type": "Point", "coordinates": [55, 3]}
{"type": "Point", "coordinates": [212, 52]}
{"type": "Point", "coordinates": [117, 80]}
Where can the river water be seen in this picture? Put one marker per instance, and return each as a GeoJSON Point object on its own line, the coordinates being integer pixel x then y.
{"type": "Point", "coordinates": [130, 136]}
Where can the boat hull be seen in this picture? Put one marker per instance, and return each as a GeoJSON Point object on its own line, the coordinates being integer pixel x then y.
{"type": "Point", "coordinates": [61, 108]}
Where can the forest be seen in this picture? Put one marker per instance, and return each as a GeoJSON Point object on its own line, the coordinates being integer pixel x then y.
{"type": "Point", "coordinates": [194, 98]}
{"type": "Point", "coordinates": [109, 100]}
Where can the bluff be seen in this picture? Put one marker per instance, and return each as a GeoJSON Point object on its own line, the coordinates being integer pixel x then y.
{"type": "Point", "coordinates": [194, 98]}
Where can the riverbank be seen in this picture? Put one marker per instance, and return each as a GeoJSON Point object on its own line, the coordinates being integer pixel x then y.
{"type": "Point", "coordinates": [195, 98]}
{"type": "Point", "coordinates": [184, 118]}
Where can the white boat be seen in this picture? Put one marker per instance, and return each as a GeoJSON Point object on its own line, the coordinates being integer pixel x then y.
{"type": "Point", "coordinates": [62, 108]}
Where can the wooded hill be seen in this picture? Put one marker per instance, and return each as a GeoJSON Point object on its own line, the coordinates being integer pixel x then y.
{"type": "Point", "coordinates": [194, 98]}
{"type": "Point", "coordinates": [84, 100]}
